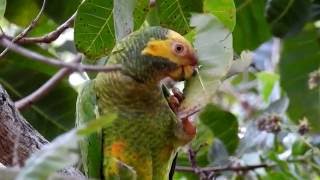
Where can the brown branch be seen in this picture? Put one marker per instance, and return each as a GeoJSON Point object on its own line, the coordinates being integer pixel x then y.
{"type": "Point", "coordinates": [18, 140]}
{"type": "Point", "coordinates": [45, 88]}
{"type": "Point", "coordinates": [192, 159]}
{"type": "Point", "coordinates": [53, 35]}
{"type": "Point", "coordinates": [28, 29]}
{"type": "Point", "coordinates": [221, 169]}
{"type": "Point", "coordinates": [56, 62]}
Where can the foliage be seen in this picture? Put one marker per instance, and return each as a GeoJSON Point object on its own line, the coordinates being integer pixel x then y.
{"type": "Point", "coordinates": [267, 113]}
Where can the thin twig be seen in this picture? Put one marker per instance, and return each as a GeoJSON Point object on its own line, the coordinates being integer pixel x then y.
{"type": "Point", "coordinates": [53, 35]}
{"type": "Point", "coordinates": [221, 169]}
{"type": "Point", "coordinates": [56, 62]}
{"type": "Point", "coordinates": [45, 88]}
{"type": "Point", "coordinates": [194, 166]}
{"type": "Point", "coordinates": [28, 29]}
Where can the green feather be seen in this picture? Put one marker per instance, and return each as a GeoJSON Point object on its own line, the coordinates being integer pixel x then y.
{"type": "Point", "coordinates": [143, 136]}
{"type": "Point", "coordinates": [91, 146]}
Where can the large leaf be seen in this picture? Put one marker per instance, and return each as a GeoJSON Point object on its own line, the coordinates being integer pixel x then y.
{"type": "Point", "coordinates": [223, 125]}
{"type": "Point", "coordinates": [287, 17]}
{"type": "Point", "coordinates": [3, 4]}
{"type": "Point", "coordinates": [175, 14]}
{"type": "Point", "coordinates": [213, 42]}
{"type": "Point", "coordinates": [95, 33]}
{"type": "Point", "coordinates": [94, 28]}
{"type": "Point", "coordinates": [251, 29]}
{"type": "Point", "coordinates": [224, 10]}
{"type": "Point", "coordinates": [298, 59]}
{"type": "Point", "coordinates": [52, 115]}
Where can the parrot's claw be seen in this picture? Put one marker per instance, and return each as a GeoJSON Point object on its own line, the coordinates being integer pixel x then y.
{"type": "Point", "coordinates": [175, 99]}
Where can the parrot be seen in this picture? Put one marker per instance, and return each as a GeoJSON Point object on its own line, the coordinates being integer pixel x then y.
{"type": "Point", "coordinates": [143, 139]}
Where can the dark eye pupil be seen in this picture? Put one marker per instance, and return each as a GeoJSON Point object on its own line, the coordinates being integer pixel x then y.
{"type": "Point", "coordinates": [179, 48]}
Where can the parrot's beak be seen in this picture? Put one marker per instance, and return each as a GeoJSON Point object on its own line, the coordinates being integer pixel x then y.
{"type": "Point", "coordinates": [190, 68]}
{"type": "Point", "coordinates": [185, 71]}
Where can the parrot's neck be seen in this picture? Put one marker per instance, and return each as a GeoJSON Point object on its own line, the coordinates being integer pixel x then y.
{"type": "Point", "coordinates": [121, 93]}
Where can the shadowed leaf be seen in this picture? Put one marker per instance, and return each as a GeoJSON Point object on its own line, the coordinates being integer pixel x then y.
{"type": "Point", "coordinates": [223, 125]}
{"type": "Point", "coordinates": [295, 68]}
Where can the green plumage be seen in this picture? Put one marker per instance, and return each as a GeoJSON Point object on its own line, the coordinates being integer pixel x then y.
{"type": "Point", "coordinates": [143, 139]}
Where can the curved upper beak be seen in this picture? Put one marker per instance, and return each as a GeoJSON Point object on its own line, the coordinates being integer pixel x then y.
{"type": "Point", "coordinates": [190, 68]}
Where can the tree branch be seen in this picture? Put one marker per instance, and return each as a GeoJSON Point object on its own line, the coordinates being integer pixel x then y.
{"type": "Point", "coordinates": [221, 169]}
{"type": "Point", "coordinates": [28, 29]}
{"type": "Point", "coordinates": [56, 62]}
{"type": "Point", "coordinates": [45, 88]}
{"type": "Point", "coordinates": [18, 140]}
{"type": "Point", "coordinates": [192, 159]}
{"type": "Point", "coordinates": [53, 35]}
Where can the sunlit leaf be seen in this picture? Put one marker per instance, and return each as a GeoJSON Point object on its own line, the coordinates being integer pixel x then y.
{"type": "Point", "coordinates": [214, 47]}
{"type": "Point", "coordinates": [176, 14]}
{"type": "Point", "coordinates": [223, 125]}
{"type": "Point", "coordinates": [224, 10]}
{"type": "Point", "coordinates": [3, 4]}
{"type": "Point", "coordinates": [95, 33]}
{"type": "Point", "coordinates": [94, 28]}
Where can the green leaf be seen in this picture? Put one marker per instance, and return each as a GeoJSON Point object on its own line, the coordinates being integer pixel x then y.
{"type": "Point", "coordinates": [287, 17]}
{"type": "Point", "coordinates": [224, 10]}
{"type": "Point", "coordinates": [94, 28]}
{"type": "Point", "coordinates": [16, 11]}
{"type": "Point", "coordinates": [267, 80]}
{"type": "Point", "coordinates": [175, 14]}
{"type": "Point", "coordinates": [54, 113]}
{"type": "Point", "coordinates": [214, 48]}
{"type": "Point", "coordinates": [223, 125]}
{"type": "Point", "coordinates": [60, 153]}
{"type": "Point", "coordinates": [3, 4]}
{"type": "Point", "coordinates": [298, 59]}
{"type": "Point", "coordinates": [300, 147]}
{"type": "Point", "coordinates": [252, 28]}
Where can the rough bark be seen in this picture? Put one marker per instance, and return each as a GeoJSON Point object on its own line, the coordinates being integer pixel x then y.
{"type": "Point", "coordinates": [18, 139]}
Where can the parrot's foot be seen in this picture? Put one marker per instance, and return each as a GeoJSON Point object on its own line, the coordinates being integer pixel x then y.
{"type": "Point", "coordinates": [175, 99]}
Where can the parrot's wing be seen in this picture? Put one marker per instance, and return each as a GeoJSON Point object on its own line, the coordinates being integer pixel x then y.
{"type": "Point", "coordinates": [91, 146]}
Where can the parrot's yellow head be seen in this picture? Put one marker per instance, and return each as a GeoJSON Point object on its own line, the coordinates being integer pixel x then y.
{"type": "Point", "coordinates": [175, 49]}
{"type": "Point", "coordinates": [154, 53]}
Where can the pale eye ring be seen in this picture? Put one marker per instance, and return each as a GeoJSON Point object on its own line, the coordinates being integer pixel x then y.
{"type": "Point", "coordinates": [179, 49]}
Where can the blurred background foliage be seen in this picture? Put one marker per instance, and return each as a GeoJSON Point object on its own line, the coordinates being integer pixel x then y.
{"type": "Point", "coordinates": [269, 113]}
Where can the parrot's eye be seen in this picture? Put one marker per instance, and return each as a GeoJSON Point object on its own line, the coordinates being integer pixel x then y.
{"type": "Point", "coordinates": [179, 49]}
